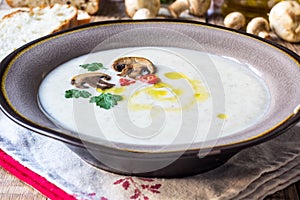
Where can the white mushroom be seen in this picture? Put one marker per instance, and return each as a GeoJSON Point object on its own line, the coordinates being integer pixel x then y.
{"type": "Point", "coordinates": [143, 13]}
{"type": "Point", "coordinates": [132, 6]}
{"type": "Point", "coordinates": [235, 20]}
{"type": "Point", "coordinates": [195, 7]}
{"type": "Point", "coordinates": [259, 26]}
{"type": "Point", "coordinates": [285, 20]}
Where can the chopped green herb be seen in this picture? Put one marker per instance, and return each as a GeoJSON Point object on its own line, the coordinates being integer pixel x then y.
{"type": "Point", "coordinates": [106, 100]}
{"type": "Point", "coordinates": [76, 94]}
{"type": "Point", "coordinates": [93, 66]}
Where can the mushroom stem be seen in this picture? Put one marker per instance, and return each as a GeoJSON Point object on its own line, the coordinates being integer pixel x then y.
{"type": "Point", "coordinates": [143, 13]}
{"type": "Point", "coordinates": [264, 34]}
{"type": "Point", "coordinates": [178, 7]}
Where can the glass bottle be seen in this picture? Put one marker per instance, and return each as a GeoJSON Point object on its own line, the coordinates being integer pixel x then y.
{"type": "Point", "coordinates": [250, 8]}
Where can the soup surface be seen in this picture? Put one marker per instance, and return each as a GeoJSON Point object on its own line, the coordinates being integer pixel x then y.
{"type": "Point", "coordinates": [195, 97]}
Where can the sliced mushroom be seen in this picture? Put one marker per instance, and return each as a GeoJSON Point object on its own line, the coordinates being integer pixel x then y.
{"type": "Point", "coordinates": [94, 80]}
{"type": "Point", "coordinates": [133, 67]}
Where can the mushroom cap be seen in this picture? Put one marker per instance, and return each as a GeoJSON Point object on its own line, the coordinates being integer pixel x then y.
{"type": "Point", "coordinates": [132, 6]}
{"type": "Point", "coordinates": [199, 7]}
{"type": "Point", "coordinates": [285, 20]}
{"type": "Point", "coordinates": [235, 20]}
{"type": "Point", "coordinates": [177, 7]}
{"type": "Point", "coordinates": [143, 13]}
{"type": "Point", "coordinates": [258, 26]}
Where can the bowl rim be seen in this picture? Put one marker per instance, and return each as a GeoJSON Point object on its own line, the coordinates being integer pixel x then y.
{"type": "Point", "coordinates": [14, 115]}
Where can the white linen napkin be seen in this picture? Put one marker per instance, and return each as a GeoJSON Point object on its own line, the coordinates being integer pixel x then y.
{"type": "Point", "coordinates": [253, 173]}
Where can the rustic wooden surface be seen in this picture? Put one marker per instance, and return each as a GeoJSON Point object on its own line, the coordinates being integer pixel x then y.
{"type": "Point", "coordinates": [13, 189]}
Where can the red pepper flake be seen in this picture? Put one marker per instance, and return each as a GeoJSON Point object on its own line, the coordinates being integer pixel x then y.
{"type": "Point", "coordinates": [126, 82]}
{"type": "Point", "coordinates": [149, 78]}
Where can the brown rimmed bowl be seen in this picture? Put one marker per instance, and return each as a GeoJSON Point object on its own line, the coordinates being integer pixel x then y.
{"type": "Point", "coordinates": [23, 71]}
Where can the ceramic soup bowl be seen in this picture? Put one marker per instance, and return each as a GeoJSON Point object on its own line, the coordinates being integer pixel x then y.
{"type": "Point", "coordinates": [217, 92]}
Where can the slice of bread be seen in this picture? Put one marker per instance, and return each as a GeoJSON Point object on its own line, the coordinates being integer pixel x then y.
{"type": "Point", "coordinates": [9, 11]}
{"type": "Point", "coordinates": [83, 17]}
{"type": "Point", "coordinates": [23, 26]}
{"type": "Point", "coordinates": [90, 6]}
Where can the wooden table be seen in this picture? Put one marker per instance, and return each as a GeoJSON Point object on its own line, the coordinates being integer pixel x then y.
{"type": "Point", "coordinates": [14, 189]}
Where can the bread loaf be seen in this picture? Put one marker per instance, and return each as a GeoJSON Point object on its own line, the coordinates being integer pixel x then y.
{"type": "Point", "coordinates": [23, 26]}
{"type": "Point", "coordinates": [90, 6]}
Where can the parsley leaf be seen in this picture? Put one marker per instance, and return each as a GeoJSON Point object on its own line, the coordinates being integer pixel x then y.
{"type": "Point", "coordinates": [76, 94]}
{"type": "Point", "coordinates": [106, 100]}
{"type": "Point", "coordinates": [93, 66]}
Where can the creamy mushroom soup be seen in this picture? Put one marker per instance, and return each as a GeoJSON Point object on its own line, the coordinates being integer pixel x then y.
{"type": "Point", "coordinates": [154, 96]}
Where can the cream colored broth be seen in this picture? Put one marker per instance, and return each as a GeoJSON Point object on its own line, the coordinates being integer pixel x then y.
{"type": "Point", "coordinates": [180, 109]}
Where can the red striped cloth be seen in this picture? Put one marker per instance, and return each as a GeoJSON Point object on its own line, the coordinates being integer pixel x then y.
{"type": "Point", "coordinates": [30, 177]}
